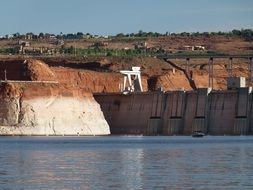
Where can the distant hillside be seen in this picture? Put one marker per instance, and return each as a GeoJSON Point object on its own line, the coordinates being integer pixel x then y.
{"type": "Point", "coordinates": [130, 45]}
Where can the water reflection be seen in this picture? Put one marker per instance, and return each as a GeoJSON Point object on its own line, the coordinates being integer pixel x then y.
{"type": "Point", "coordinates": [126, 163]}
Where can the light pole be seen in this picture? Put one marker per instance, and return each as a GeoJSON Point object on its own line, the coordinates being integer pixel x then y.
{"type": "Point", "coordinates": [210, 71]}
{"type": "Point", "coordinates": [230, 68]}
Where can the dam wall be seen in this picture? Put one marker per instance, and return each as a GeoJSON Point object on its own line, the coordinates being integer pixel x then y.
{"type": "Point", "coordinates": [251, 113]}
{"type": "Point", "coordinates": [179, 112]}
{"type": "Point", "coordinates": [132, 114]}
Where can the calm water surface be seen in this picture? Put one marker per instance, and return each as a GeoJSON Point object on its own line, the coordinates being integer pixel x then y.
{"type": "Point", "coordinates": [30, 163]}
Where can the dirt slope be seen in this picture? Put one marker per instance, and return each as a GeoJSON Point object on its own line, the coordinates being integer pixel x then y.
{"type": "Point", "coordinates": [102, 74]}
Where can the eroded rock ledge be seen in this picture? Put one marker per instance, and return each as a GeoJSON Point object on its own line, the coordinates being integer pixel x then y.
{"type": "Point", "coordinates": [43, 106]}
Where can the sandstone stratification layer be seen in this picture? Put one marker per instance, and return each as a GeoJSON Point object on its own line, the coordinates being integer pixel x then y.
{"type": "Point", "coordinates": [34, 102]}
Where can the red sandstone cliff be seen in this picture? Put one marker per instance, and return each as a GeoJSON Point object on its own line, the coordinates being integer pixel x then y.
{"type": "Point", "coordinates": [36, 103]}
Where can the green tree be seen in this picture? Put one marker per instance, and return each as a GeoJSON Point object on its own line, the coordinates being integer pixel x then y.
{"type": "Point", "coordinates": [120, 35]}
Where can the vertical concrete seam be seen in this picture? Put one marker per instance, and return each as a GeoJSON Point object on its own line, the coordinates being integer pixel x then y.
{"type": "Point", "coordinates": [237, 103]}
{"type": "Point", "coordinates": [172, 104]}
{"type": "Point", "coordinates": [177, 96]}
{"type": "Point", "coordinates": [184, 110]}
{"type": "Point", "coordinates": [208, 112]}
{"type": "Point", "coordinates": [156, 105]}
{"type": "Point", "coordinates": [247, 103]}
{"type": "Point", "coordinates": [251, 113]}
{"type": "Point", "coordinates": [197, 105]}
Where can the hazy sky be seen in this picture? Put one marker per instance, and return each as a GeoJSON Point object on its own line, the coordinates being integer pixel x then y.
{"type": "Point", "coordinates": [114, 16]}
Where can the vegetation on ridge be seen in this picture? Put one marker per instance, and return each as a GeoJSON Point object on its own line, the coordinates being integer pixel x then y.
{"type": "Point", "coordinates": [149, 44]}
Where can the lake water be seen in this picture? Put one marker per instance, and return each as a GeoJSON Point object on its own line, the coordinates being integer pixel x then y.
{"type": "Point", "coordinates": [125, 162]}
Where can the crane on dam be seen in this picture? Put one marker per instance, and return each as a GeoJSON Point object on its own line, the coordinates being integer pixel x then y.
{"type": "Point", "coordinates": [132, 80]}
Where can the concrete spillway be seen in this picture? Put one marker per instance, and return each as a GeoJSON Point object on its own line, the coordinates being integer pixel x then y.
{"type": "Point", "coordinates": [179, 112]}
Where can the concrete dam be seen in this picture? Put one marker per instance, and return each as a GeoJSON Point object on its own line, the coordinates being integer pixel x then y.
{"type": "Point", "coordinates": [226, 112]}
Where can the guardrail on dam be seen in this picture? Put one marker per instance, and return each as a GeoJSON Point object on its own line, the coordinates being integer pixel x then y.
{"type": "Point", "coordinates": [227, 112]}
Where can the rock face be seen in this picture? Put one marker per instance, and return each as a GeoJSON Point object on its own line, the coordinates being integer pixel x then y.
{"type": "Point", "coordinates": [43, 106]}
{"type": "Point", "coordinates": [52, 116]}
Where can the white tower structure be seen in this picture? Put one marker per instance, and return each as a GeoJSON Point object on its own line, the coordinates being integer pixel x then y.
{"type": "Point", "coordinates": [133, 78]}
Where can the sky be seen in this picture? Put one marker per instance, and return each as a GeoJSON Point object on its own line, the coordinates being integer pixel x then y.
{"type": "Point", "coordinates": [110, 17]}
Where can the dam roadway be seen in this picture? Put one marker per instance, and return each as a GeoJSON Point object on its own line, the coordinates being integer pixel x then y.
{"type": "Point", "coordinates": [226, 112]}
{"type": "Point", "coordinates": [198, 56]}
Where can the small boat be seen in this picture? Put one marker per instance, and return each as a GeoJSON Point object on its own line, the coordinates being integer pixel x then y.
{"type": "Point", "coordinates": [198, 134]}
